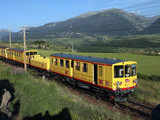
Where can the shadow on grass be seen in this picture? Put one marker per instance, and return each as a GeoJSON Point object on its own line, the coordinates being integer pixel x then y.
{"type": "Point", "coordinates": [63, 115]}
{"type": "Point", "coordinates": [5, 84]}
{"type": "Point", "coordinates": [3, 116]}
{"type": "Point", "coordinates": [156, 113]}
{"type": "Point", "coordinates": [16, 108]}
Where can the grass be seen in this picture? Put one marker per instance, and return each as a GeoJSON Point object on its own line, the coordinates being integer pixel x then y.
{"type": "Point", "coordinates": [148, 91]}
{"type": "Point", "coordinates": [38, 96]}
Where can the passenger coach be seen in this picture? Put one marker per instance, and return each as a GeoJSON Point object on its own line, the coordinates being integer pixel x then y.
{"type": "Point", "coordinates": [3, 54]}
{"type": "Point", "coordinates": [116, 77]}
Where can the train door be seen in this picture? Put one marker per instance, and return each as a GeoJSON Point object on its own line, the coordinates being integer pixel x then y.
{"type": "Point", "coordinates": [95, 72]}
{"type": "Point", "coordinates": [72, 68]}
{"type": "Point", "coordinates": [27, 55]}
{"type": "Point", "coordinates": [29, 59]}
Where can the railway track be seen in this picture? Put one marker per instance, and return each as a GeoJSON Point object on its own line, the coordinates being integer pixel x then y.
{"type": "Point", "coordinates": [137, 110]}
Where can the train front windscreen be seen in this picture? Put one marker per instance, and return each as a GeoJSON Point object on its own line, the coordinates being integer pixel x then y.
{"type": "Point", "coordinates": [124, 71]}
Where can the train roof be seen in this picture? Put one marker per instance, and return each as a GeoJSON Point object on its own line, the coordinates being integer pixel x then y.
{"type": "Point", "coordinates": [3, 47]}
{"type": "Point", "coordinates": [18, 49]}
{"type": "Point", "coordinates": [88, 58]}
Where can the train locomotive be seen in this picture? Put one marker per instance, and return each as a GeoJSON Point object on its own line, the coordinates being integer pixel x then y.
{"type": "Point", "coordinates": [115, 78]}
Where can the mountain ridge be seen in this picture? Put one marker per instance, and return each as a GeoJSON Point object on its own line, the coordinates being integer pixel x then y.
{"type": "Point", "coordinates": [153, 28]}
{"type": "Point", "coordinates": [112, 22]}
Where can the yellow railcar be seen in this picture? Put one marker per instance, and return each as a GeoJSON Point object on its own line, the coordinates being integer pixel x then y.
{"type": "Point", "coordinates": [39, 62]}
{"type": "Point", "coordinates": [10, 54]}
{"type": "Point", "coordinates": [3, 53]}
{"type": "Point", "coordinates": [117, 77]}
{"type": "Point", "coordinates": [61, 66]}
{"type": "Point", "coordinates": [16, 55]}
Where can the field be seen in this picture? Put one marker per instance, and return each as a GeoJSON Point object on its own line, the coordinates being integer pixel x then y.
{"type": "Point", "coordinates": [37, 96]}
{"type": "Point", "coordinates": [139, 44]}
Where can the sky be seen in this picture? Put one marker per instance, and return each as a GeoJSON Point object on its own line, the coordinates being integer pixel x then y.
{"type": "Point", "coordinates": [17, 13]}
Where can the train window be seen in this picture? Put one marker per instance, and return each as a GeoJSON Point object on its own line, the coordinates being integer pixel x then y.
{"type": "Point", "coordinates": [67, 63]}
{"type": "Point", "coordinates": [56, 61]}
{"type": "Point", "coordinates": [72, 63]}
{"type": "Point", "coordinates": [133, 72]}
{"type": "Point", "coordinates": [27, 53]}
{"type": "Point", "coordinates": [100, 71]}
{"type": "Point", "coordinates": [118, 71]}
{"type": "Point", "coordinates": [85, 67]}
{"type": "Point", "coordinates": [127, 70]}
{"type": "Point", "coordinates": [31, 53]}
{"type": "Point", "coordinates": [130, 70]}
{"type": "Point", "coordinates": [61, 63]}
{"type": "Point", "coordinates": [78, 66]}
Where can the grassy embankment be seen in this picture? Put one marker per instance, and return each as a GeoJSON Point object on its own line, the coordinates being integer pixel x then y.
{"type": "Point", "coordinates": [148, 68]}
{"type": "Point", "coordinates": [38, 96]}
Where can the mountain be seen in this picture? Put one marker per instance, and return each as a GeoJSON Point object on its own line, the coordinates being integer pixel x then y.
{"type": "Point", "coordinates": [154, 28]}
{"type": "Point", "coordinates": [113, 22]}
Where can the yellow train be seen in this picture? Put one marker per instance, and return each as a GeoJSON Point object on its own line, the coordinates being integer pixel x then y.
{"type": "Point", "coordinates": [115, 78]}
